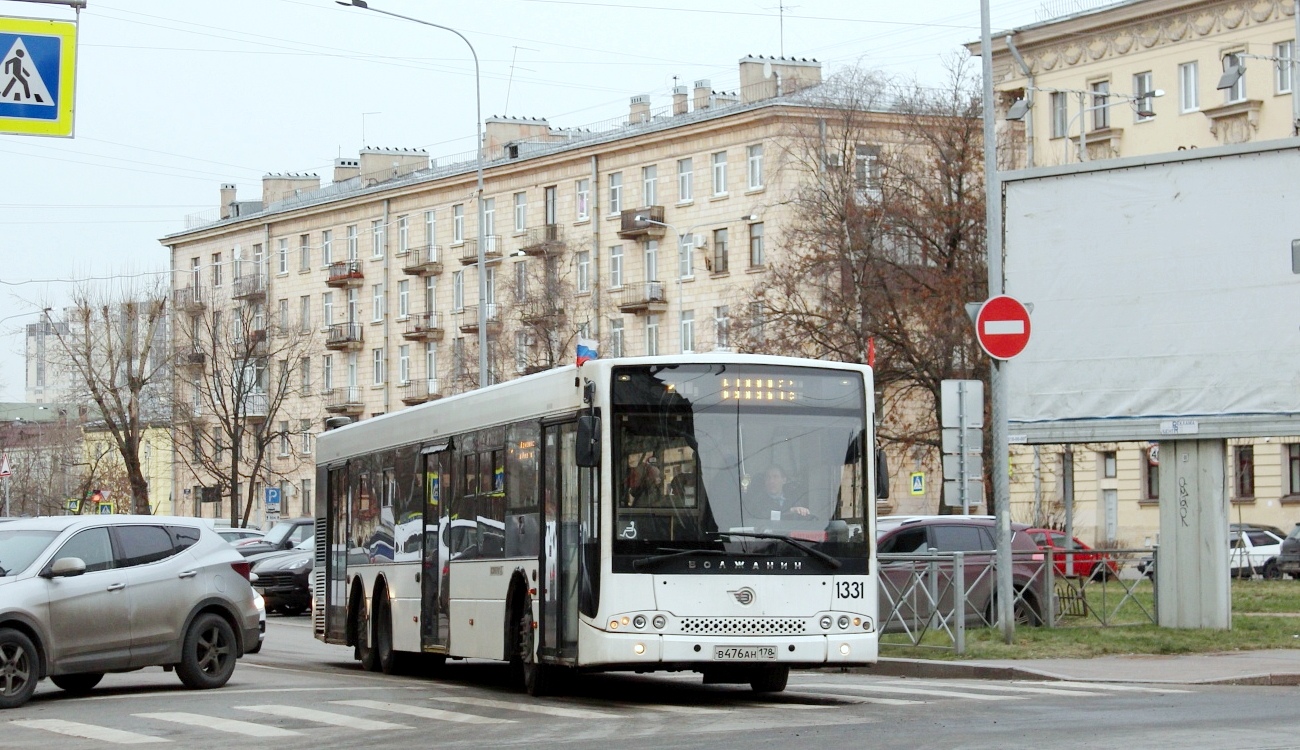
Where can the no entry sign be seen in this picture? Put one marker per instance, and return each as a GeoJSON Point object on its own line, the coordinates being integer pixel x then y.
{"type": "Point", "coordinates": [1002, 327]}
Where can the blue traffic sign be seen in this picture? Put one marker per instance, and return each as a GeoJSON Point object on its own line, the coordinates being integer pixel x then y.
{"type": "Point", "coordinates": [272, 498]}
{"type": "Point", "coordinates": [37, 66]}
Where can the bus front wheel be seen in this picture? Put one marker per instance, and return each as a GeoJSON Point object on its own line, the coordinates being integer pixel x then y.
{"type": "Point", "coordinates": [536, 676]}
{"type": "Point", "coordinates": [770, 680]}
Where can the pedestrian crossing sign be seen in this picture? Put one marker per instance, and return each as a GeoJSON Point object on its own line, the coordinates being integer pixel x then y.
{"type": "Point", "coordinates": [918, 483]}
{"type": "Point", "coordinates": [37, 76]}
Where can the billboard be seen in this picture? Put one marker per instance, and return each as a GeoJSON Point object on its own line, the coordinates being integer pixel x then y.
{"type": "Point", "coordinates": [1165, 294]}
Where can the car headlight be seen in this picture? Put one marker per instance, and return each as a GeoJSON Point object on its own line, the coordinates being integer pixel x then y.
{"type": "Point", "coordinates": [259, 601]}
{"type": "Point", "coordinates": [299, 565]}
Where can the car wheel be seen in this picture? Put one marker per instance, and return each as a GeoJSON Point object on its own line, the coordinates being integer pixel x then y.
{"type": "Point", "coordinates": [1271, 571]}
{"type": "Point", "coordinates": [293, 610]}
{"type": "Point", "coordinates": [77, 684]}
{"type": "Point", "coordinates": [19, 671]}
{"type": "Point", "coordinates": [208, 654]}
{"type": "Point", "coordinates": [770, 680]}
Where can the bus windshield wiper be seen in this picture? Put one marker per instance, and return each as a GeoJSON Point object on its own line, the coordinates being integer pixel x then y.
{"type": "Point", "coordinates": [672, 554]}
{"type": "Point", "coordinates": [830, 562]}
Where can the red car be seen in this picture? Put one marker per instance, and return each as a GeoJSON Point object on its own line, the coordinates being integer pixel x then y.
{"type": "Point", "coordinates": [1085, 561]}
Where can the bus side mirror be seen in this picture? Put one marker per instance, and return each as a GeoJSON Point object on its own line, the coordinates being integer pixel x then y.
{"type": "Point", "coordinates": [882, 475]}
{"type": "Point", "coordinates": [588, 448]}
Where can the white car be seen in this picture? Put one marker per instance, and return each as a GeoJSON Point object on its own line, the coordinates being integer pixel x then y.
{"type": "Point", "coordinates": [1254, 550]}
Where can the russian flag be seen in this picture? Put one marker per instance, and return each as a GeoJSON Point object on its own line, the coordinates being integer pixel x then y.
{"type": "Point", "coordinates": [587, 350]}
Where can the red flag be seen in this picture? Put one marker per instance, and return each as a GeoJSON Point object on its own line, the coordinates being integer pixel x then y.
{"type": "Point", "coordinates": [871, 351]}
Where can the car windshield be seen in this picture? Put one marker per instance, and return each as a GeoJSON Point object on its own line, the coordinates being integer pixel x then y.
{"type": "Point", "coordinates": [279, 533]}
{"type": "Point", "coordinates": [19, 548]}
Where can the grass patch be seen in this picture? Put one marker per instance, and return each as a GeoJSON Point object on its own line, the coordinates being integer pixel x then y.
{"type": "Point", "coordinates": [1265, 615]}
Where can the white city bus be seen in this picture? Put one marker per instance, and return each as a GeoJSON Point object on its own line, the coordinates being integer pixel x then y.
{"type": "Point", "coordinates": [610, 516]}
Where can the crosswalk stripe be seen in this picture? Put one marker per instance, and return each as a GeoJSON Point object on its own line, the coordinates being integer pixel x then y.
{"type": "Point", "coordinates": [783, 706]}
{"type": "Point", "coordinates": [532, 708]}
{"type": "Point", "coordinates": [424, 713]}
{"type": "Point", "coordinates": [322, 717]}
{"type": "Point", "coordinates": [856, 698]}
{"type": "Point", "coordinates": [998, 688]}
{"type": "Point", "coordinates": [88, 731]}
{"type": "Point", "coordinates": [917, 691]}
{"type": "Point", "coordinates": [1116, 688]}
{"type": "Point", "coordinates": [670, 709]}
{"type": "Point", "coordinates": [220, 724]}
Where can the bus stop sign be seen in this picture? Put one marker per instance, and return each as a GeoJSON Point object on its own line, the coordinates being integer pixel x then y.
{"type": "Point", "coordinates": [1002, 327]}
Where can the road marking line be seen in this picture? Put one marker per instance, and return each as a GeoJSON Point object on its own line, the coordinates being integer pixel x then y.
{"type": "Point", "coordinates": [919, 691]}
{"type": "Point", "coordinates": [323, 717]}
{"type": "Point", "coordinates": [88, 731]}
{"type": "Point", "coordinates": [1117, 688]}
{"type": "Point", "coordinates": [533, 708]}
{"type": "Point", "coordinates": [766, 704]}
{"type": "Point", "coordinates": [424, 713]}
{"type": "Point", "coordinates": [179, 693]}
{"type": "Point", "coordinates": [233, 726]}
{"type": "Point", "coordinates": [669, 709]}
{"type": "Point", "coordinates": [1010, 688]}
{"type": "Point", "coordinates": [856, 698]}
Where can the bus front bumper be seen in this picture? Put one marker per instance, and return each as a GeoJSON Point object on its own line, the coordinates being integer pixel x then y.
{"type": "Point", "coordinates": [632, 649]}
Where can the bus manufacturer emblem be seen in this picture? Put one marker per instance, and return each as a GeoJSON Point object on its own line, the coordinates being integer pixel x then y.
{"type": "Point", "coordinates": [745, 596]}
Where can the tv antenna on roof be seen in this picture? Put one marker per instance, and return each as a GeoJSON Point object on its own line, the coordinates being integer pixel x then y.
{"type": "Point", "coordinates": [781, 8]}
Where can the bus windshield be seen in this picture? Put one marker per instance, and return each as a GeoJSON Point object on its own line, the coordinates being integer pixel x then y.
{"type": "Point", "coordinates": [725, 465]}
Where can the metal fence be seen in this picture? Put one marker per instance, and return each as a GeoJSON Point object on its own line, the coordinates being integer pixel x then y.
{"type": "Point", "coordinates": [932, 599]}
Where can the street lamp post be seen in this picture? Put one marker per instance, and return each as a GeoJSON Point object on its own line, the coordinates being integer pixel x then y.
{"type": "Point", "coordinates": [478, 167]}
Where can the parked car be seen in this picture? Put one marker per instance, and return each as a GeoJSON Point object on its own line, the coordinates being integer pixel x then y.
{"type": "Point", "coordinates": [1080, 561]}
{"type": "Point", "coordinates": [975, 536]}
{"type": "Point", "coordinates": [1254, 550]}
{"type": "Point", "coordinates": [260, 602]}
{"type": "Point", "coordinates": [81, 596]}
{"type": "Point", "coordinates": [1288, 559]}
{"type": "Point", "coordinates": [282, 536]}
{"type": "Point", "coordinates": [234, 536]}
{"type": "Point", "coordinates": [284, 579]}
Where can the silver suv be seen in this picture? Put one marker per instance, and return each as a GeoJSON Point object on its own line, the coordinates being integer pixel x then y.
{"type": "Point", "coordinates": [85, 595]}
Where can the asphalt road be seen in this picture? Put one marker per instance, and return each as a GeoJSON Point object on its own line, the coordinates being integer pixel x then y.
{"type": "Point", "coordinates": [299, 693]}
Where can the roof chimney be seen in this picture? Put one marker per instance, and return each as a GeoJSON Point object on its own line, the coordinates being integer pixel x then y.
{"type": "Point", "coordinates": [702, 91]}
{"type": "Point", "coordinates": [346, 169]}
{"type": "Point", "coordinates": [679, 100]}
{"type": "Point", "coordinates": [227, 199]}
{"type": "Point", "coordinates": [640, 111]}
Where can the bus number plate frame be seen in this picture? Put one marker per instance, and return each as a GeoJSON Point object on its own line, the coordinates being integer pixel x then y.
{"type": "Point", "coordinates": [744, 653]}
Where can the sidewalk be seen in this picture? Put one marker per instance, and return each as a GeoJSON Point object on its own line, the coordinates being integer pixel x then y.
{"type": "Point", "coordinates": [1273, 667]}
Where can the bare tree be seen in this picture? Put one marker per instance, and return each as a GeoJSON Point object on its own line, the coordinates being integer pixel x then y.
{"type": "Point", "coordinates": [239, 383]}
{"type": "Point", "coordinates": [115, 349]}
{"type": "Point", "coordinates": [543, 332]}
{"type": "Point", "coordinates": [887, 242]}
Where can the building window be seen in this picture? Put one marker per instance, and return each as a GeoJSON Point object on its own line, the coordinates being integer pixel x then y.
{"type": "Point", "coordinates": [327, 371]}
{"type": "Point", "coordinates": [282, 255]}
{"type": "Point", "coordinates": [404, 298]}
{"type": "Point", "coordinates": [521, 351]}
{"type": "Point", "coordinates": [304, 372]}
{"type": "Point", "coordinates": [649, 185]}
{"type": "Point", "coordinates": [404, 364]}
{"type": "Point", "coordinates": [1100, 104]}
{"type": "Point", "coordinates": [616, 338]}
{"type": "Point", "coordinates": [1144, 92]}
{"type": "Point", "coordinates": [282, 317]}
{"type": "Point", "coordinates": [1293, 468]}
{"type": "Point", "coordinates": [1236, 92]}
{"type": "Point", "coordinates": [490, 222]}
{"type": "Point", "coordinates": [304, 434]}
{"type": "Point", "coordinates": [430, 228]}
{"type": "Point", "coordinates": [754, 164]}
{"type": "Point", "coordinates": [327, 308]}
{"type": "Point", "coordinates": [686, 257]}
{"type": "Point", "coordinates": [284, 438]}
{"type": "Point", "coordinates": [866, 168]}
{"type": "Point", "coordinates": [1189, 98]}
{"type": "Point", "coordinates": [354, 306]}
{"type": "Point", "coordinates": [430, 293]}
{"type": "Point", "coordinates": [458, 223]}
{"type": "Point", "coordinates": [615, 192]}
{"type": "Point", "coordinates": [721, 327]}
{"type": "Point", "coordinates": [1282, 67]}
{"type": "Point", "coordinates": [521, 211]}
{"type": "Point", "coordinates": [307, 508]}
{"type": "Point", "coordinates": [1060, 115]}
{"type": "Point", "coordinates": [583, 190]}
{"type": "Point", "coordinates": [652, 335]}
{"type": "Point", "coordinates": [304, 252]}
{"type": "Point", "coordinates": [304, 313]}
{"type": "Point", "coordinates": [327, 247]}
{"type": "Point", "coordinates": [352, 242]}
{"type": "Point", "coordinates": [616, 266]}
{"type": "Point", "coordinates": [688, 331]}
{"type": "Point", "coordinates": [459, 367]}
{"type": "Point", "coordinates": [521, 282]}
{"type": "Point", "coordinates": [1108, 465]}
{"type": "Point", "coordinates": [377, 302]}
{"type": "Point", "coordinates": [377, 238]}
{"type": "Point", "coordinates": [720, 173]}
{"type": "Point", "coordinates": [216, 269]}
{"type": "Point", "coordinates": [458, 291]}
{"type": "Point", "coordinates": [756, 244]}
{"type": "Point", "coordinates": [685, 176]}
{"type": "Point", "coordinates": [652, 260]}
{"type": "Point", "coordinates": [1244, 471]}
{"type": "Point", "coordinates": [757, 322]}
{"type": "Point", "coordinates": [584, 271]}
{"type": "Point", "coordinates": [1151, 477]}
{"type": "Point", "coordinates": [719, 251]}
{"type": "Point", "coordinates": [377, 365]}
{"type": "Point", "coordinates": [403, 235]}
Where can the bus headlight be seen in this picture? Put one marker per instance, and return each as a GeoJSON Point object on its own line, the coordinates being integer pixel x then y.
{"type": "Point", "coordinates": [638, 649]}
{"type": "Point", "coordinates": [826, 622]}
{"type": "Point", "coordinates": [659, 622]}
{"type": "Point", "coordinates": [844, 622]}
{"type": "Point", "coordinates": [844, 649]}
{"type": "Point", "coordinates": [638, 622]}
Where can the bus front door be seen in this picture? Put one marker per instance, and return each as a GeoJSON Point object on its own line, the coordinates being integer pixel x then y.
{"type": "Point", "coordinates": [561, 552]}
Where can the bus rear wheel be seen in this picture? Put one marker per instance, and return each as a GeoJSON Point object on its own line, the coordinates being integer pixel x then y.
{"type": "Point", "coordinates": [536, 676]}
{"type": "Point", "coordinates": [770, 680]}
{"type": "Point", "coordinates": [362, 649]}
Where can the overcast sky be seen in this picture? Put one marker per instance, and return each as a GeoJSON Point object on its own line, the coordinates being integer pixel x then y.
{"type": "Point", "coordinates": [174, 98]}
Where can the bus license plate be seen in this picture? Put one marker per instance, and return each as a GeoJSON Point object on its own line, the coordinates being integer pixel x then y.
{"type": "Point", "coordinates": [743, 653]}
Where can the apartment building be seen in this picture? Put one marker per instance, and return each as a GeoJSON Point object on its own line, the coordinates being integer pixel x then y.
{"type": "Point", "coordinates": [364, 296]}
{"type": "Point", "coordinates": [1128, 79]}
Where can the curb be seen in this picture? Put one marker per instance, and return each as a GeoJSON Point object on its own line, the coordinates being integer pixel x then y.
{"type": "Point", "coordinates": [887, 667]}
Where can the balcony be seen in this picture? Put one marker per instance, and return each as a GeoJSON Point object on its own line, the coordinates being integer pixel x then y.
{"type": "Point", "coordinates": [251, 287]}
{"type": "Point", "coordinates": [543, 240]}
{"type": "Point", "coordinates": [346, 400]}
{"type": "Point", "coordinates": [631, 229]}
{"type": "Point", "coordinates": [536, 310]}
{"type": "Point", "coordinates": [194, 358]}
{"type": "Point", "coordinates": [189, 299]}
{"type": "Point", "coordinates": [468, 318]}
{"type": "Point", "coordinates": [424, 327]}
{"type": "Point", "coordinates": [419, 391]}
{"type": "Point", "coordinates": [491, 250]}
{"type": "Point", "coordinates": [256, 406]}
{"type": "Point", "coordinates": [345, 274]}
{"type": "Point", "coordinates": [423, 261]}
{"type": "Point", "coordinates": [643, 298]}
{"type": "Point", "coordinates": [344, 337]}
